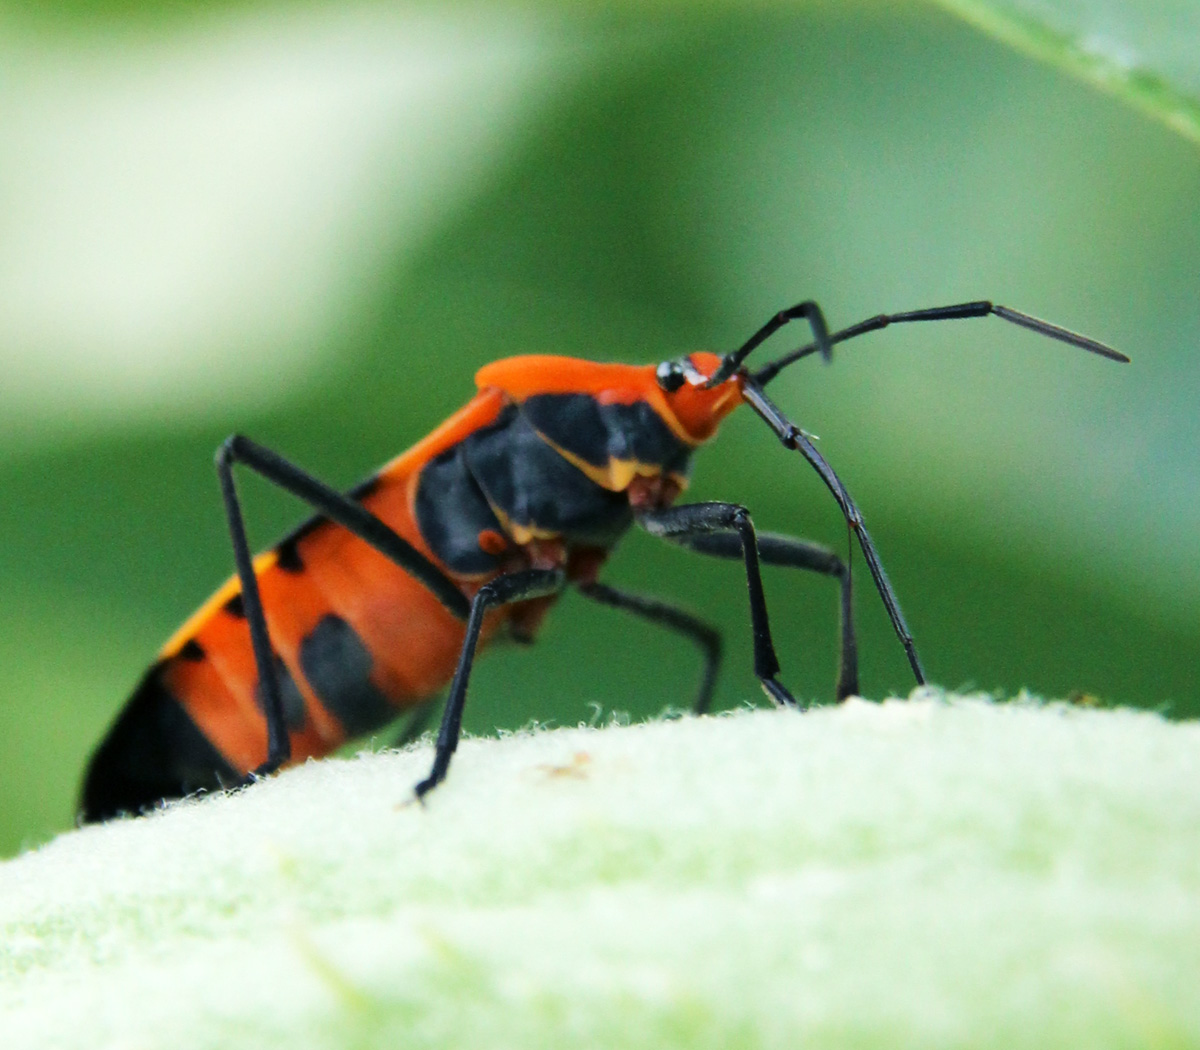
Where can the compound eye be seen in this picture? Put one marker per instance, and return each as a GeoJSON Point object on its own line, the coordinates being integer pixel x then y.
{"type": "Point", "coordinates": [671, 375]}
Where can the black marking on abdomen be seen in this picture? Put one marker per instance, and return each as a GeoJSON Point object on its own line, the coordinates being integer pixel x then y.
{"type": "Point", "coordinates": [287, 556]}
{"type": "Point", "coordinates": [192, 651]}
{"type": "Point", "coordinates": [337, 665]}
{"type": "Point", "coordinates": [154, 751]}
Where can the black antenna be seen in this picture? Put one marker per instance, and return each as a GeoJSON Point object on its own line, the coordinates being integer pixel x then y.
{"type": "Point", "coordinates": [807, 310]}
{"type": "Point", "coordinates": [824, 343]}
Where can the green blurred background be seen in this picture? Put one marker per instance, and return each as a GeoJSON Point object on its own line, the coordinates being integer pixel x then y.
{"type": "Point", "coordinates": [312, 224]}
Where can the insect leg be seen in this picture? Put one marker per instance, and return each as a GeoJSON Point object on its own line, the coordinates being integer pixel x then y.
{"type": "Point", "coordinates": [514, 587]}
{"type": "Point", "coordinates": [343, 510]}
{"type": "Point", "coordinates": [657, 611]}
{"type": "Point", "coordinates": [790, 552]}
{"type": "Point", "coordinates": [680, 524]}
{"type": "Point", "coordinates": [794, 438]}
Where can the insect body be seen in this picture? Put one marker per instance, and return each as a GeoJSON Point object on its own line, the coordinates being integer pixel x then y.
{"type": "Point", "coordinates": [372, 606]}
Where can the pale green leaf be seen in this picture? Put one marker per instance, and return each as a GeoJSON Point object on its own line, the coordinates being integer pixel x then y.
{"type": "Point", "coordinates": [1147, 53]}
{"type": "Point", "coordinates": [915, 874]}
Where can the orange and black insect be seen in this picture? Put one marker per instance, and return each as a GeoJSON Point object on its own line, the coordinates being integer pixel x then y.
{"type": "Point", "coordinates": [372, 606]}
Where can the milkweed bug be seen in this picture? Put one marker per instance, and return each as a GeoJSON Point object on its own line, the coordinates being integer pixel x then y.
{"type": "Point", "coordinates": [373, 605]}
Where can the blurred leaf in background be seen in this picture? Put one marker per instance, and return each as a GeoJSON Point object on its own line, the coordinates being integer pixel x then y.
{"type": "Point", "coordinates": [312, 224]}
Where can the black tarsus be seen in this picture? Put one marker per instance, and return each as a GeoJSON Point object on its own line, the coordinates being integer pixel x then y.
{"type": "Point", "coordinates": [655, 610]}
{"type": "Point", "coordinates": [339, 508]}
{"type": "Point", "coordinates": [503, 590]}
{"type": "Point", "coordinates": [956, 312]}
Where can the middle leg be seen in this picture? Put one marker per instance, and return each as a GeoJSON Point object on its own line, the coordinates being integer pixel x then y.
{"type": "Point", "coordinates": [683, 525]}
